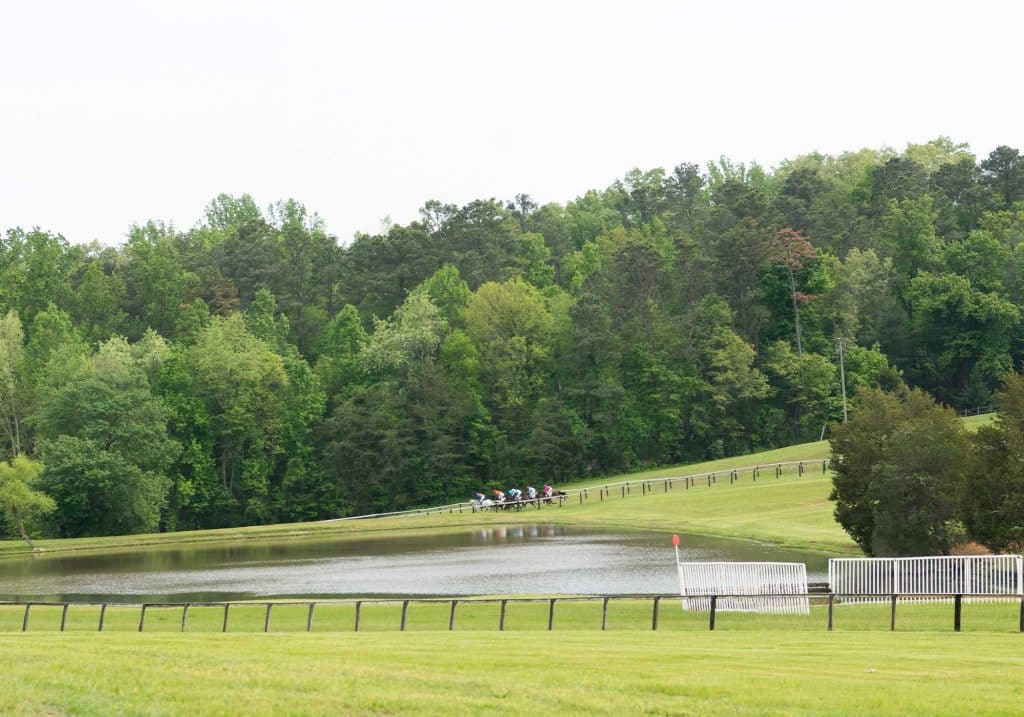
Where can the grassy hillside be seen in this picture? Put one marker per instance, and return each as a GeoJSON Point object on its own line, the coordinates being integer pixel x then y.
{"type": "Point", "coordinates": [973, 423]}
{"type": "Point", "coordinates": [636, 672]}
{"type": "Point", "coordinates": [790, 511]}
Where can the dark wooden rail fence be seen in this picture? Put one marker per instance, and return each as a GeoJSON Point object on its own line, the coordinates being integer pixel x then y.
{"type": "Point", "coordinates": [829, 599]}
{"type": "Point", "coordinates": [647, 486]}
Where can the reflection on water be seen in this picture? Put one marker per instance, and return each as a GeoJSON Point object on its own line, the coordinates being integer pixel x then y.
{"type": "Point", "coordinates": [506, 559]}
{"type": "Point", "coordinates": [506, 532]}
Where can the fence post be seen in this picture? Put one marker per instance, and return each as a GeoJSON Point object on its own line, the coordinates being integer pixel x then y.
{"type": "Point", "coordinates": [892, 614]}
{"type": "Point", "coordinates": [142, 617]}
{"type": "Point", "coordinates": [551, 614]}
{"type": "Point", "coordinates": [711, 617]}
{"type": "Point", "coordinates": [103, 614]}
{"type": "Point", "coordinates": [24, 620]}
{"type": "Point", "coordinates": [623, 491]}
{"type": "Point", "coordinates": [824, 463]}
{"type": "Point", "coordinates": [666, 486]}
{"type": "Point", "coordinates": [686, 482]}
{"type": "Point", "coordinates": [451, 615]}
{"type": "Point", "coordinates": [956, 612]}
{"type": "Point", "coordinates": [501, 619]}
{"type": "Point", "coordinates": [309, 618]}
{"type": "Point", "coordinates": [628, 488]}
{"type": "Point", "coordinates": [1022, 614]}
{"type": "Point", "coordinates": [224, 627]}
{"type": "Point", "coordinates": [654, 613]}
{"type": "Point", "coordinates": [604, 614]}
{"type": "Point", "coordinates": [709, 480]}
{"type": "Point", "coordinates": [359, 605]}
{"type": "Point", "coordinates": [643, 488]}
{"type": "Point", "coordinates": [63, 617]}
{"type": "Point", "coordinates": [831, 604]}
{"type": "Point", "coordinates": [184, 616]}
{"type": "Point", "coordinates": [800, 468]}
{"type": "Point", "coordinates": [266, 620]}
{"type": "Point", "coordinates": [405, 612]}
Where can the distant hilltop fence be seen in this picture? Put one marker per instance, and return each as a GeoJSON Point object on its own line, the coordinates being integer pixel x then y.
{"type": "Point", "coordinates": [626, 488]}
{"type": "Point", "coordinates": [980, 410]}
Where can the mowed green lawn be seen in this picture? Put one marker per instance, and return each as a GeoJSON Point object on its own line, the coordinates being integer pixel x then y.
{"type": "Point", "coordinates": [644, 673]}
{"type": "Point", "coordinates": [750, 665]}
{"type": "Point", "coordinates": [790, 511]}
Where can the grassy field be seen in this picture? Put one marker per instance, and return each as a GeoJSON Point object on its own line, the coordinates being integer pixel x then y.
{"type": "Point", "coordinates": [973, 423]}
{"type": "Point", "coordinates": [793, 512]}
{"type": "Point", "coordinates": [744, 510]}
{"type": "Point", "coordinates": [750, 664]}
{"type": "Point", "coordinates": [770, 672]}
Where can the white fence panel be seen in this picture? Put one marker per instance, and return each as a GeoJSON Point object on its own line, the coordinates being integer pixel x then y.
{"type": "Point", "coordinates": [871, 579]}
{"type": "Point", "coordinates": [775, 588]}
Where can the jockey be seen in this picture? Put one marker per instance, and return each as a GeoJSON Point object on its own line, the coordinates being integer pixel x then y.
{"type": "Point", "coordinates": [531, 492]}
{"type": "Point", "coordinates": [514, 493]}
{"type": "Point", "coordinates": [498, 496]}
{"type": "Point", "coordinates": [548, 490]}
{"type": "Point", "coordinates": [479, 497]}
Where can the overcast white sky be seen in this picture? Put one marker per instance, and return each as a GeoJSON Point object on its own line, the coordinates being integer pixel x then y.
{"type": "Point", "coordinates": [118, 112]}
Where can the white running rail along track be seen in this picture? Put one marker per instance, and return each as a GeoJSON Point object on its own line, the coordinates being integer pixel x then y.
{"type": "Point", "coordinates": [864, 578]}
{"type": "Point", "coordinates": [774, 588]}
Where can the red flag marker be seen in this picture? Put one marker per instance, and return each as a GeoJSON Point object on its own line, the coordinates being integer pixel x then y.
{"type": "Point", "coordinates": [675, 540]}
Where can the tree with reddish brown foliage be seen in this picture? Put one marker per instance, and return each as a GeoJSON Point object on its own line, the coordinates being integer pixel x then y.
{"type": "Point", "coordinates": [790, 247]}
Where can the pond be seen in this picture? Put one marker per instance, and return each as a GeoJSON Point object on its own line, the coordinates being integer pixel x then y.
{"type": "Point", "coordinates": [531, 559]}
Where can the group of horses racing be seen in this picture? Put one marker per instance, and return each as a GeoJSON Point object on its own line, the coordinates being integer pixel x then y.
{"type": "Point", "coordinates": [517, 501]}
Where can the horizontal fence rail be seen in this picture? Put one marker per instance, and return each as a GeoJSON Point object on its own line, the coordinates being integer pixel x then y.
{"type": "Point", "coordinates": [980, 410]}
{"type": "Point", "coordinates": [622, 489]}
{"type": "Point", "coordinates": [716, 604]}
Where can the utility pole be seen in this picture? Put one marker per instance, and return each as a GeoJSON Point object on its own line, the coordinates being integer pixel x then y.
{"type": "Point", "coordinates": [842, 374]}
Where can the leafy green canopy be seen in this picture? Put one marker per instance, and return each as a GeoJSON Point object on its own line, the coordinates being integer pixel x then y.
{"type": "Point", "coordinates": [896, 466]}
{"type": "Point", "coordinates": [269, 372]}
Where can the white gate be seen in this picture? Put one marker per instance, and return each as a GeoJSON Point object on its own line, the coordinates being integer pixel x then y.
{"type": "Point", "coordinates": [862, 579]}
{"type": "Point", "coordinates": [777, 588]}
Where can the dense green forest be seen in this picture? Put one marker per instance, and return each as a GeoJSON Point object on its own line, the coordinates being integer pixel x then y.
{"type": "Point", "coordinates": [254, 369]}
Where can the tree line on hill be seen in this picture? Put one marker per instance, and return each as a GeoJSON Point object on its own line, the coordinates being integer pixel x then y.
{"type": "Point", "coordinates": [252, 369]}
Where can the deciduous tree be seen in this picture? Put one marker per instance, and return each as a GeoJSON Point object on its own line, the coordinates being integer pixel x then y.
{"type": "Point", "coordinates": [20, 500]}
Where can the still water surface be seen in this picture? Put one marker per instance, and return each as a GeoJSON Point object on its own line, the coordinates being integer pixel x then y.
{"type": "Point", "coordinates": [512, 559]}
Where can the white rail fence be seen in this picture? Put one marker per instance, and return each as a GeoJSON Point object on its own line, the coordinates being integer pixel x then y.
{"type": "Point", "coordinates": [874, 579]}
{"type": "Point", "coordinates": [773, 588]}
